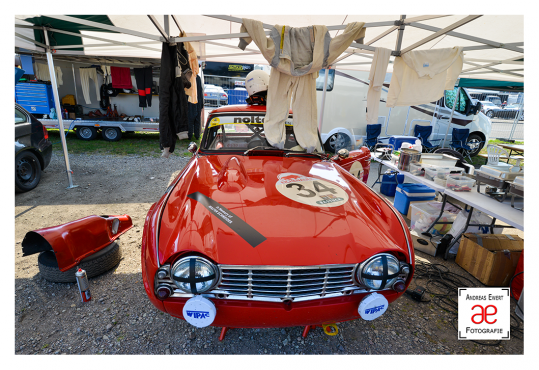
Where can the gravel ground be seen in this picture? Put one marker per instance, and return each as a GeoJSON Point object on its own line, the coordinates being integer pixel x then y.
{"type": "Point", "coordinates": [50, 319]}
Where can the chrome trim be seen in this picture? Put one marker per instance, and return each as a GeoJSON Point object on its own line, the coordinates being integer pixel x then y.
{"type": "Point", "coordinates": [404, 227]}
{"type": "Point", "coordinates": [161, 209]}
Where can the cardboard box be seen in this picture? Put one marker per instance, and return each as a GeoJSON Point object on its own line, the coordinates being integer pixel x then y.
{"type": "Point", "coordinates": [428, 248]}
{"type": "Point", "coordinates": [72, 116]}
{"type": "Point", "coordinates": [491, 258]}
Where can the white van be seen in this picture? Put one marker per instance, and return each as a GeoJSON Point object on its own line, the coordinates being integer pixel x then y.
{"type": "Point", "coordinates": [346, 102]}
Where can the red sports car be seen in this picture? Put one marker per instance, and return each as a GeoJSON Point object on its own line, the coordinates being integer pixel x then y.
{"type": "Point", "coordinates": [252, 236]}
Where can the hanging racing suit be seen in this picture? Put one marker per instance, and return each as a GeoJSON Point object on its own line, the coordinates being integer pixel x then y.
{"type": "Point", "coordinates": [296, 55]}
{"type": "Point", "coordinates": [172, 99]}
{"type": "Point", "coordinates": [421, 76]}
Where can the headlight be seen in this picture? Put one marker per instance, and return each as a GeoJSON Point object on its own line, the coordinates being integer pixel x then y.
{"type": "Point", "coordinates": [194, 274]}
{"type": "Point", "coordinates": [379, 272]}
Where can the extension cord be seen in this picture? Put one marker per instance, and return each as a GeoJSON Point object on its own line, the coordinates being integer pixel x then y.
{"type": "Point", "coordinates": [416, 294]}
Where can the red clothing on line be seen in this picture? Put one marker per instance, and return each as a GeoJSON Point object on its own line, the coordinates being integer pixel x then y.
{"type": "Point", "coordinates": [121, 77]}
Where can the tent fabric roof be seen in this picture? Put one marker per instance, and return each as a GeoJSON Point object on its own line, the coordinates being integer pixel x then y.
{"type": "Point", "coordinates": [484, 63]}
{"type": "Point", "coordinates": [477, 83]}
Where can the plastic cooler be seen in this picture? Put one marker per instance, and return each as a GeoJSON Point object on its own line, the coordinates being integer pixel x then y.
{"type": "Point", "coordinates": [407, 192]}
{"type": "Point", "coordinates": [424, 214]}
{"type": "Point", "coordinates": [389, 185]}
{"type": "Point", "coordinates": [459, 183]}
{"type": "Point", "coordinates": [397, 140]}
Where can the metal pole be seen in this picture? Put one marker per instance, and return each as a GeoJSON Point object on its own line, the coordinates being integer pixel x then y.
{"type": "Point", "coordinates": [74, 82]}
{"type": "Point", "coordinates": [321, 118]}
{"type": "Point", "coordinates": [451, 117]}
{"type": "Point", "coordinates": [515, 122]}
{"type": "Point", "coordinates": [406, 123]}
{"type": "Point", "coordinates": [58, 109]}
{"type": "Point", "coordinates": [388, 117]}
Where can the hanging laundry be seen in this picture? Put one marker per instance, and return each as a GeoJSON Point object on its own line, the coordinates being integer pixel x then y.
{"type": "Point", "coordinates": [121, 77]}
{"type": "Point", "coordinates": [194, 111]}
{"type": "Point", "coordinates": [193, 64]}
{"type": "Point", "coordinates": [42, 73]}
{"type": "Point", "coordinates": [421, 76]}
{"type": "Point", "coordinates": [85, 75]}
{"type": "Point", "coordinates": [376, 80]}
{"type": "Point", "coordinates": [144, 80]}
{"type": "Point", "coordinates": [172, 99]}
{"type": "Point", "coordinates": [106, 73]}
{"type": "Point", "coordinates": [296, 55]}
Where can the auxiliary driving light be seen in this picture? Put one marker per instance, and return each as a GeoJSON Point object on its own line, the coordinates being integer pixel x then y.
{"type": "Point", "coordinates": [163, 292]}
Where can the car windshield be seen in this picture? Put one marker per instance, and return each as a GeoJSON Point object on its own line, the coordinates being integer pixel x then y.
{"type": "Point", "coordinates": [240, 136]}
{"type": "Point", "coordinates": [487, 103]}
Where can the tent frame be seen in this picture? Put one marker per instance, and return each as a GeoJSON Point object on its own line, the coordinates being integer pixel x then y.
{"type": "Point", "coordinates": [356, 48]}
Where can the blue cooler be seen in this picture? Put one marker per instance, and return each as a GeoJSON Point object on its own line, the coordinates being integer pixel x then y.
{"type": "Point", "coordinates": [389, 185]}
{"type": "Point", "coordinates": [407, 192]}
{"type": "Point", "coordinates": [397, 140]}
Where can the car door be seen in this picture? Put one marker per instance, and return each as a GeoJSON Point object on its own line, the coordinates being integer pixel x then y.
{"type": "Point", "coordinates": [23, 125]}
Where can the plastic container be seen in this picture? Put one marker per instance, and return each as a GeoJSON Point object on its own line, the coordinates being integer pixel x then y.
{"type": "Point", "coordinates": [424, 214]}
{"type": "Point", "coordinates": [439, 181]}
{"type": "Point", "coordinates": [430, 173]}
{"type": "Point", "coordinates": [437, 159]}
{"type": "Point", "coordinates": [389, 185]}
{"type": "Point", "coordinates": [418, 169]}
{"type": "Point", "coordinates": [397, 140]}
{"type": "Point", "coordinates": [407, 192]}
{"type": "Point", "coordinates": [459, 183]}
{"type": "Point", "coordinates": [443, 172]}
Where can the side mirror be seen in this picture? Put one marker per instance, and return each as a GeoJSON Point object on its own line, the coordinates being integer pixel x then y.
{"type": "Point", "coordinates": [192, 147]}
{"type": "Point", "coordinates": [477, 108]}
{"type": "Point", "coordinates": [343, 153]}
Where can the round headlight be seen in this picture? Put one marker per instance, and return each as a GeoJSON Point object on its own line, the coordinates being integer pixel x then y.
{"type": "Point", "coordinates": [379, 272]}
{"type": "Point", "coordinates": [194, 274]}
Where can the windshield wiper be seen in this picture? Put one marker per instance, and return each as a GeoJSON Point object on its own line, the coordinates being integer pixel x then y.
{"type": "Point", "coordinates": [261, 148]}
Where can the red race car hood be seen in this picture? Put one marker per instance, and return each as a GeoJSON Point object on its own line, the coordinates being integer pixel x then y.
{"type": "Point", "coordinates": [243, 210]}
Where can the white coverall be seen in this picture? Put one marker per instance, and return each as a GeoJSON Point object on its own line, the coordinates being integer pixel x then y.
{"type": "Point", "coordinates": [376, 80]}
{"type": "Point", "coordinates": [85, 75]}
{"type": "Point", "coordinates": [421, 76]}
{"type": "Point", "coordinates": [296, 55]}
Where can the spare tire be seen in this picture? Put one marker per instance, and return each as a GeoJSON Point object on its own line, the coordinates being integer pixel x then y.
{"type": "Point", "coordinates": [96, 264]}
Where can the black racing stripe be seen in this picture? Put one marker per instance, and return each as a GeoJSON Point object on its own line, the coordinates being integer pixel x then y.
{"type": "Point", "coordinates": [193, 283]}
{"type": "Point", "coordinates": [241, 227]}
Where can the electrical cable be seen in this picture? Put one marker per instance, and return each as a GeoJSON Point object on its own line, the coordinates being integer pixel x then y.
{"type": "Point", "coordinates": [442, 286]}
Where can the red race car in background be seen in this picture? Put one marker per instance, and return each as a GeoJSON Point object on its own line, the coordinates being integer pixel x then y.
{"type": "Point", "coordinates": [252, 236]}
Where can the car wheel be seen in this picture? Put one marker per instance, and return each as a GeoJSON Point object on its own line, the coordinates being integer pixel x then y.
{"type": "Point", "coordinates": [336, 141]}
{"type": "Point", "coordinates": [490, 114]}
{"type": "Point", "coordinates": [27, 171]}
{"type": "Point", "coordinates": [111, 133]}
{"type": "Point", "coordinates": [95, 265]}
{"type": "Point", "coordinates": [86, 133]}
{"type": "Point", "coordinates": [476, 143]}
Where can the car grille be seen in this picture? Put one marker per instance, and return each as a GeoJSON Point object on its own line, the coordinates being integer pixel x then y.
{"type": "Point", "coordinates": [285, 282]}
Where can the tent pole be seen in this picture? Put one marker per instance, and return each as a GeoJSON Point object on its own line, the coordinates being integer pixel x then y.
{"type": "Point", "coordinates": [58, 109]}
{"type": "Point", "coordinates": [457, 98]}
{"type": "Point", "coordinates": [75, 82]}
{"type": "Point", "coordinates": [321, 118]}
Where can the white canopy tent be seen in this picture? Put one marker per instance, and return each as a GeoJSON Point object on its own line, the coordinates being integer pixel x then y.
{"type": "Point", "coordinates": [493, 44]}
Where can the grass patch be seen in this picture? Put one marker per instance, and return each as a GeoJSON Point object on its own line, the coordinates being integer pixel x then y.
{"type": "Point", "coordinates": [45, 346]}
{"type": "Point", "coordinates": [132, 143]}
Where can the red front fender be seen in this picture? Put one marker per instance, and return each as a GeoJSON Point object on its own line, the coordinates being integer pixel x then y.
{"type": "Point", "coordinates": [75, 240]}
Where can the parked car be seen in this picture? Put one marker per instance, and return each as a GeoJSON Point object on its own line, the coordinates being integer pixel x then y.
{"type": "Point", "coordinates": [486, 106]}
{"type": "Point", "coordinates": [213, 93]}
{"type": "Point", "coordinates": [249, 235]}
{"type": "Point", "coordinates": [509, 112]}
{"type": "Point", "coordinates": [33, 150]}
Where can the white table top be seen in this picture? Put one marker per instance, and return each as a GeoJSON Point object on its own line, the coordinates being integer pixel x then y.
{"type": "Point", "coordinates": [501, 211]}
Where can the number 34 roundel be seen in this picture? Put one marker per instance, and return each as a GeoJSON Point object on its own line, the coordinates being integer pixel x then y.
{"type": "Point", "coordinates": [311, 191]}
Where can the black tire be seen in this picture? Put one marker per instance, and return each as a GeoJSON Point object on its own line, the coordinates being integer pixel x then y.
{"type": "Point", "coordinates": [86, 133]}
{"type": "Point", "coordinates": [111, 133]}
{"type": "Point", "coordinates": [95, 265]}
{"type": "Point", "coordinates": [477, 141]}
{"type": "Point", "coordinates": [27, 171]}
{"type": "Point", "coordinates": [336, 141]}
{"type": "Point", "coordinates": [490, 114]}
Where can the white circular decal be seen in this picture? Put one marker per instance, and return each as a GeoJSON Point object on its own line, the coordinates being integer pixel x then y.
{"type": "Point", "coordinates": [199, 311]}
{"type": "Point", "coordinates": [310, 190]}
{"type": "Point", "coordinates": [372, 306]}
